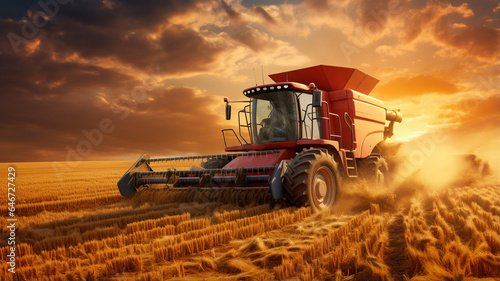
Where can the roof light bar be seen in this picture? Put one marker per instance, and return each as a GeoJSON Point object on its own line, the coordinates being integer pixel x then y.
{"type": "Point", "coordinates": [266, 89]}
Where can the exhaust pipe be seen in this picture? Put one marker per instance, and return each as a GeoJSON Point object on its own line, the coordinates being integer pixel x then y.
{"type": "Point", "coordinates": [391, 116]}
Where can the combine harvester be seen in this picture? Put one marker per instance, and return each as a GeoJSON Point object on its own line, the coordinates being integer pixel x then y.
{"type": "Point", "coordinates": [306, 131]}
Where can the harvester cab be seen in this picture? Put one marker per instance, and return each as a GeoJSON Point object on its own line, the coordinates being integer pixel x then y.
{"type": "Point", "coordinates": [296, 138]}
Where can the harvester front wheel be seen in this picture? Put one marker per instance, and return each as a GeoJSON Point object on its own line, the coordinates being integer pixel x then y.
{"type": "Point", "coordinates": [312, 180]}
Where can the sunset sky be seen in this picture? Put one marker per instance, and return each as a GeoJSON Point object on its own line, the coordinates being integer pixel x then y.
{"type": "Point", "coordinates": [151, 75]}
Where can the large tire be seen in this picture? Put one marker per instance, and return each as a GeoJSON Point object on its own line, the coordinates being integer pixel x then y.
{"type": "Point", "coordinates": [313, 180]}
{"type": "Point", "coordinates": [374, 169]}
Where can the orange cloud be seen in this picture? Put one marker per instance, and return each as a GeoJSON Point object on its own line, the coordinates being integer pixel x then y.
{"type": "Point", "coordinates": [412, 86]}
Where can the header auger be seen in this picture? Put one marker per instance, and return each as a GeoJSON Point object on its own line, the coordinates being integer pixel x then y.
{"type": "Point", "coordinates": [304, 132]}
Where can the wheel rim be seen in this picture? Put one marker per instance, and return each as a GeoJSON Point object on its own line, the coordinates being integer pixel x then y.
{"type": "Point", "coordinates": [323, 188]}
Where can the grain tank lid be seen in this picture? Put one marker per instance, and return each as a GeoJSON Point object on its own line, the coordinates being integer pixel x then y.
{"type": "Point", "coordinates": [329, 78]}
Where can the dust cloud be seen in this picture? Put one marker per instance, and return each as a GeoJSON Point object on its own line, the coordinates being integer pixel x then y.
{"type": "Point", "coordinates": [420, 168]}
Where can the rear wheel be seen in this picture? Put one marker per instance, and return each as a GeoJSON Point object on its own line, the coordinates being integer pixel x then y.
{"type": "Point", "coordinates": [374, 169]}
{"type": "Point", "coordinates": [312, 180]}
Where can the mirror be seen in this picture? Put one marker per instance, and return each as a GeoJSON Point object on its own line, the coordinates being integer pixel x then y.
{"type": "Point", "coordinates": [317, 98]}
{"type": "Point", "coordinates": [228, 111]}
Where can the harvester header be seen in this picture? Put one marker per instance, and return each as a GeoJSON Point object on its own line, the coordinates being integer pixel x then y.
{"type": "Point", "coordinates": [296, 138]}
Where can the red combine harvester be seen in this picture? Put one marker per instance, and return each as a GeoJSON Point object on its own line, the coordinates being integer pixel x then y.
{"type": "Point", "coordinates": [305, 132]}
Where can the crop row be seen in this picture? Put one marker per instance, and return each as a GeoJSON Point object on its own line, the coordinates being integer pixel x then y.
{"type": "Point", "coordinates": [99, 238]}
{"type": "Point", "coordinates": [111, 235]}
{"type": "Point", "coordinates": [219, 234]}
{"type": "Point", "coordinates": [338, 239]}
{"type": "Point", "coordinates": [67, 205]}
{"type": "Point", "coordinates": [121, 222]}
{"type": "Point", "coordinates": [449, 244]}
{"type": "Point", "coordinates": [236, 214]}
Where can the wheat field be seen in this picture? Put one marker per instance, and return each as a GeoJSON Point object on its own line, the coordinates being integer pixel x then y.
{"type": "Point", "coordinates": [74, 225]}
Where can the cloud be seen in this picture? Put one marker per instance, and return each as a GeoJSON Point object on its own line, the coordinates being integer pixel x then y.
{"type": "Point", "coordinates": [265, 15]}
{"type": "Point", "coordinates": [412, 86]}
{"type": "Point", "coordinates": [375, 14]}
{"type": "Point", "coordinates": [253, 39]}
{"type": "Point", "coordinates": [438, 23]}
{"type": "Point", "coordinates": [160, 125]}
{"type": "Point", "coordinates": [390, 51]}
{"type": "Point", "coordinates": [479, 42]}
{"type": "Point", "coordinates": [476, 113]}
{"type": "Point", "coordinates": [234, 15]}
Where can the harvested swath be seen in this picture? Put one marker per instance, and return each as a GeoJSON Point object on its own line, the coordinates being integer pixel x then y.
{"type": "Point", "coordinates": [26, 261]}
{"type": "Point", "coordinates": [63, 253]}
{"type": "Point", "coordinates": [125, 264]}
{"type": "Point", "coordinates": [236, 214]}
{"type": "Point", "coordinates": [150, 276]}
{"type": "Point", "coordinates": [121, 222]}
{"type": "Point", "coordinates": [57, 241]}
{"type": "Point", "coordinates": [462, 255]}
{"type": "Point", "coordinates": [103, 256]}
{"type": "Point", "coordinates": [167, 253]}
{"type": "Point", "coordinates": [124, 212]}
{"type": "Point", "coordinates": [295, 265]}
{"type": "Point", "coordinates": [190, 225]}
{"type": "Point", "coordinates": [101, 233]}
{"type": "Point", "coordinates": [138, 249]}
{"type": "Point", "coordinates": [242, 228]}
{"type": "Point", "coordinates": [67, 205]}
{"type": "Point", "coordinates": [153, 223]}
{"type": "Point", "coordinates": [22, 249]}
{"type": "Point", "coordinates": [147, 235]}
{"type": "Point", "coordinates": [26, 273]}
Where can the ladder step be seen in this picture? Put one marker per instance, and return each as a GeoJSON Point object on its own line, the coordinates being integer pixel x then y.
{"type": "Point", "coordinates": [352, 170]}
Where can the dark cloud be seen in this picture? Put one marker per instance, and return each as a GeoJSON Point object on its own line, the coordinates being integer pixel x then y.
{"type": "Point", "coordinates": [38, 75]}
{"type": "Point", "coordinates": [253, 39]}
{"type": "Point", "coordinates": [456, 27]}
{"type": "Point", "coordinates": [415, 86]}
{"type": "Point", "coordinates": [317, 5]}
{"type": "Point", "coordinates": [231, 13]}
{"type": "Point", "coordinates": [264, 14]}
{"type": "Point", "coordinates": [89, 58]}
{"type": "Point", "coordinates": [417, 20]}
{"type": "Point", "coordinates": [123, 32]}
{"type": "Point", "coordinates": [480, 42]}
{"type": "Point", "coordinates": [374, 14]}
{"type": "Point", "coordinates": [169, 121]}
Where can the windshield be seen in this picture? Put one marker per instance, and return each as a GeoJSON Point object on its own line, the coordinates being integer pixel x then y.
{"type": "Point", "coordinates": [274, 117]}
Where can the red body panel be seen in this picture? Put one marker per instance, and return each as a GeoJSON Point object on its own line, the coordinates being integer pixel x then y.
{"type": "Point", "coordinates": [262, 146]}
{"type": "Point", "coordinates": [329, 78]}
{"type": "Point", "coordinates": [367, 114]}
{"type": "Point", "coordinates": [261, 160]}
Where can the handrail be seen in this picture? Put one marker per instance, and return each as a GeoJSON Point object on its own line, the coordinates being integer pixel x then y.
{"type": "Point", "coordinates": [346, 115]}
{"type": "Point", "coordinates": [329, 125]}
{"type": "Point", "coordinates": [224, 136]}
{"type": "Point", "coordinates": [239, 123]}
{"type": "Point", "coordinates": [328, 113]}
